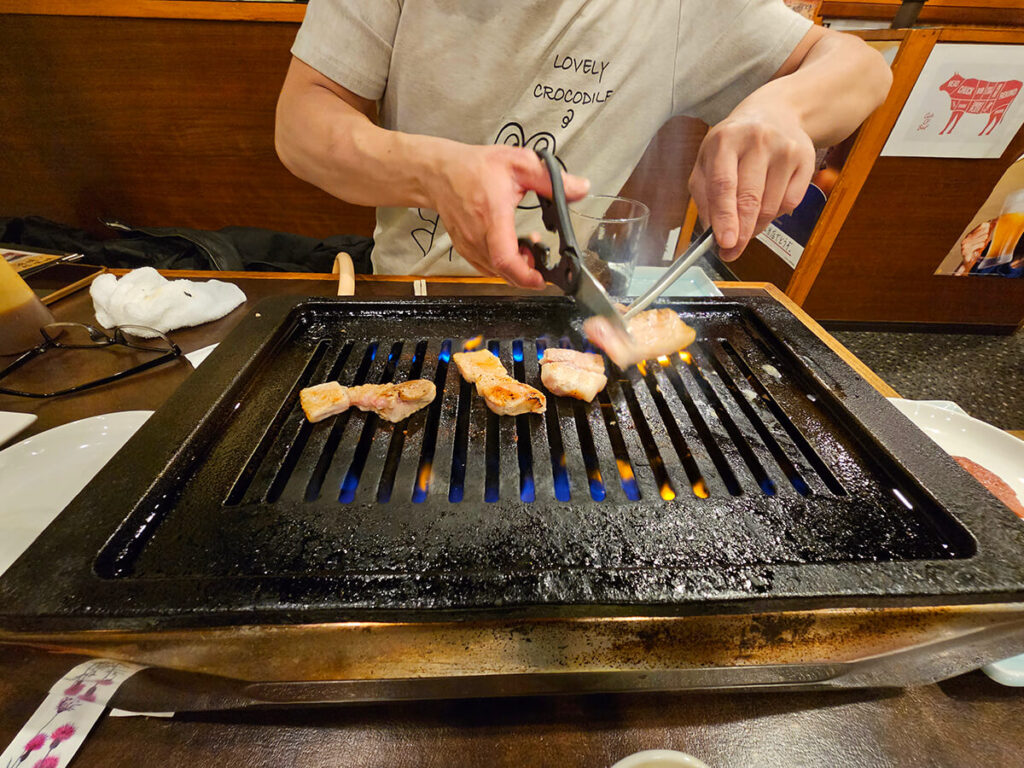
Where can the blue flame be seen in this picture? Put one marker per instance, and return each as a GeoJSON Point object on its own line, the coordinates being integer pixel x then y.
{"type": "Point", "coordinates": [526, 488]}
{"type": "Point", "coordinates": [348, 488]}
{"type": "Point", "coordinates": [517, 350]}
{"type": "Point", "coordinates": [446, 351]}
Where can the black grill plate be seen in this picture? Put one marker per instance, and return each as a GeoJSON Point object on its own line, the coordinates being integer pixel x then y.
{"type": "Point", "coordinates": [755, 467]}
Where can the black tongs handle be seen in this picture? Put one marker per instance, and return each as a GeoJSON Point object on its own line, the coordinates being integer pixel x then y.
{"type": "Point", "coordinates": [555, 213]}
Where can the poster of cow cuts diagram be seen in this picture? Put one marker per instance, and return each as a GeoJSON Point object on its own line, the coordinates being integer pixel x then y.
{"type": "Point", "coordinates": [966, 103]}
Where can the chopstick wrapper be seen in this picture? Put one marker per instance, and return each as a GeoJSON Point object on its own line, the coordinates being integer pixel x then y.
{"type": "Point", "coordinates": [145, 297]}
{"type": "Point", "coordinates": [54, 733]}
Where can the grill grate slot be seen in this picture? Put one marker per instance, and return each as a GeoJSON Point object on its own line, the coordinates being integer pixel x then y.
{"type": "Point", "coordinates": [623, 463]}
{"type": "Point", "coordinates": [425, 472]}
{"type": "Point", "coordinates": [398, 434]}
{"type": "Point", "coordinates": [524, 444]}
{"type": "Point", "coordinates": [682, 449]}
{"type": "Point", "coordinates": [650, 447]}
{"type": "Point", "coordinates": [492, 462]}
{"type": "Point", "coordinates": [765, 397]}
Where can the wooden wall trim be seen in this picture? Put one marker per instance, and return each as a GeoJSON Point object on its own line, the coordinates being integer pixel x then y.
{"type": "Point", "coordinates": [1008, 12]}
{"type": "Point", "coordinates": [212, 10]}
{"type": "Point", "coordinates": [907, 66]}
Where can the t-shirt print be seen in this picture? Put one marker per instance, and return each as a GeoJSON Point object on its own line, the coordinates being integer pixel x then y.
{"type": "Point", "coordinates": [567, 98]}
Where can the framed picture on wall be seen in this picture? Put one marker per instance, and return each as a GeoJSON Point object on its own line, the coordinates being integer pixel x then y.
{"type": "Point", "coordinates": [967, 102]}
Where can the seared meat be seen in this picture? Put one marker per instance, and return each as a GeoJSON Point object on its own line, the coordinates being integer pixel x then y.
{"type": "Point", "coordinates": [393, 402]}
{"type": "Point", "coordinates": [586, 361]}
{"type": "Point", "coordinates": [654, 333]}
{"type": "Point", "coordinates": [324, 400]}
{"type": "Point", "coordinates": [569, 373]}
{"type": "Point", "coordinates": [510, 397]}
{"type": "Point", "coordinates": [567, 380]}
{"type": "Point", "coordinates": [473, 365]}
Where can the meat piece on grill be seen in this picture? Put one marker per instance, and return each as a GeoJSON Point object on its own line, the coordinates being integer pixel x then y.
{"type": "Point", "coordinates": [586, 361]}
{"type": "Point", "coordinates": [654, 333]}
{"type": "Point", "coordinates": [473, 365]}
{"type": "Point", "coordinates": [993, 484]}
{"type": "Point", "coordinates": [393, 402]}
{"type": "Point", "coordinates": [510, 397]}
{"type": "Point", "coordinates": [566, 380]}
{"type": "Point", "coordinates": [324, 400]}
{"type": "Point", "coordinates": [568, 373]}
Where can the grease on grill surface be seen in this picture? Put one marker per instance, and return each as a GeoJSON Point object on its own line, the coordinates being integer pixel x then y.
{"type": "Point", "coordinates": [697, 460]}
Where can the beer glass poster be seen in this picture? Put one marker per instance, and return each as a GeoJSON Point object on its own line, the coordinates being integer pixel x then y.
{"type": "Point", "coordinates": [992, 245]}
{"type": "Point", "coordinates": [967, 102]}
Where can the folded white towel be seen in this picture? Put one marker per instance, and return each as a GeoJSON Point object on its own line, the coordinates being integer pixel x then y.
{"type": "Point", "coordinates": [145, 297]}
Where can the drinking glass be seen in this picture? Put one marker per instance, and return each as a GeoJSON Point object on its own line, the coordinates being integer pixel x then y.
{"type": "Point", "coordinates": [610, 231]}
{"type": "Point", "coordinates": [21, 312]}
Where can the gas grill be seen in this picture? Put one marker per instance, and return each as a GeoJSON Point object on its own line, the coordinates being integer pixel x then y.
{"type": "Point", "coordinates": [746, 512]}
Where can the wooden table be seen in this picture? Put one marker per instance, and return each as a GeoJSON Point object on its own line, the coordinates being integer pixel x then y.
{"type": "Point", "coordinates": [966, 721]}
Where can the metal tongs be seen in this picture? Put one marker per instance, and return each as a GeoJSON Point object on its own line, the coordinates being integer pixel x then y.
{"type": "Point", "coordinates": [568, 272]}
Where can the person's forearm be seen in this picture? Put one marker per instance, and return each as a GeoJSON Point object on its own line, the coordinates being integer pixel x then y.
{"type": "Point", "coordinates": [329, 143]}
{"type": "Point", "coordinates": [836, 86]}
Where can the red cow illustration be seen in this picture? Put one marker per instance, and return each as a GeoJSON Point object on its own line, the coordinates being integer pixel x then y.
{"type": "Point", "coordinates": [978, 97]}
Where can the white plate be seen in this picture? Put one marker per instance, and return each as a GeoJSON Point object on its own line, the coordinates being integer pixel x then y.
{"type": "Point", "coordinates": [12, 423]}
{"type": "Point", "coordinates": [660, 758]}
{"type": "Point", "coordinates": [43, 473]}
{"type": "Point", "coordinates": [693, 282]}
{"type": "Point", "coordinates": [961, 435]}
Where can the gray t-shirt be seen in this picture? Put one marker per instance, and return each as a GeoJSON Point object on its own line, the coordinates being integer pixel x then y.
{"type": "Point", "coordinates": [592, 80]}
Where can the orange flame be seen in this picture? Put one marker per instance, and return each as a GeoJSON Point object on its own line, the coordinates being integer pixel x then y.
{"type": "Point", "coordinates": [666, 491]}
{"type": "Point", "coordinates": [423, 479]}
{"type": "Point", "coordinates": [700, 489]}
{"type": "Point", "coordinates": [687, 357]}
{"type": "Point", "coordinates": [664, 361]}
{"type": "Point", "coordinates": [625, 470]}
{"type": "Point", "coordinates": [642, 367]}
{"type": "Point", "coordinates": [473, 343]}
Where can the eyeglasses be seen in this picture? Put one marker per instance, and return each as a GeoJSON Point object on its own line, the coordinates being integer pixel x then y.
{"type": "Point", "coordinates": [82, 336]}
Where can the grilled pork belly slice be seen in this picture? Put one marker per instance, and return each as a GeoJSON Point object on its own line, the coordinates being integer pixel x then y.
{"type": "Point", "coordinates": [393, 402]}
{"type": "Point", "coordinates": [510, 397]}
{"type": "Point", "coordinates": [566, 380]}
{"type": "Point", "coordinates": [654, 333]}
{"type": "Point", "coordinates": [324, 400]}
{"type": "Point", "coordinates": [473, 365]}
{"type": "Point", "coordinates": [586, 361]}
{"type": "Point", "coordinates": [568, 373]}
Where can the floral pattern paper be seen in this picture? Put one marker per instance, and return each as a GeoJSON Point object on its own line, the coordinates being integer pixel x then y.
{"type": "Point", "coordinates": [54, 733]}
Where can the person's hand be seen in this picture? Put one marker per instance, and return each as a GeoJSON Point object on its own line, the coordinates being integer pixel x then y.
{"type": "Point", "coordinates": [751, 167]}
{"type": "Point", "coordinates": [476, 191]}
